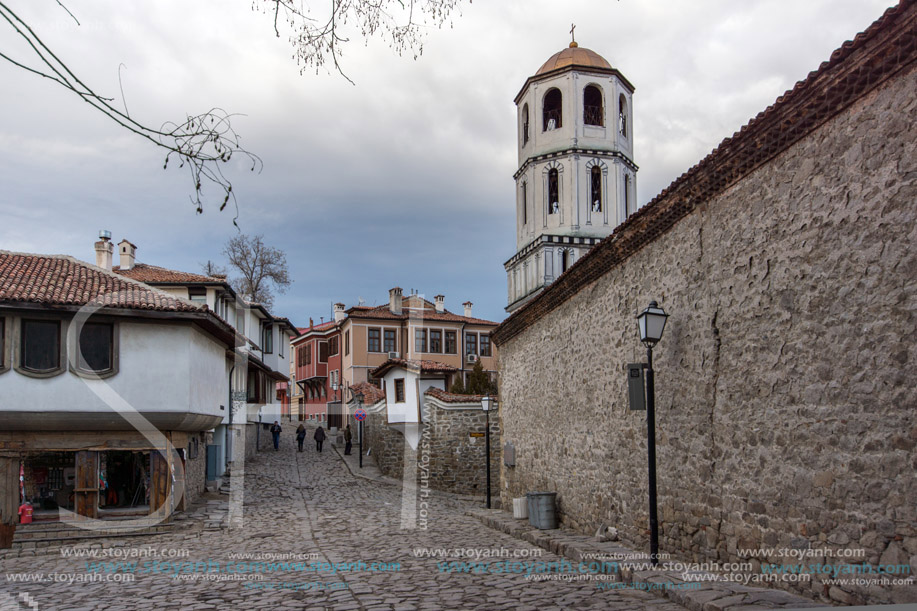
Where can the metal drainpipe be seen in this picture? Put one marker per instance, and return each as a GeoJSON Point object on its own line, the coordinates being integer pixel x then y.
{"type": "Point", "coordinates": [228, 432]}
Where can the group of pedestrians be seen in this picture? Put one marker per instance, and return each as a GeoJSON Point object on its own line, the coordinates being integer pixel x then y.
{"type": "Point", "coordinates": [319, 437]}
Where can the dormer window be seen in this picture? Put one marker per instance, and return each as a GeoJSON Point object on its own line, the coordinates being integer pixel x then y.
{"type": "Point", "coordinates": [552, 115]}
{"type": "Point", "coordinates": [593, 112]}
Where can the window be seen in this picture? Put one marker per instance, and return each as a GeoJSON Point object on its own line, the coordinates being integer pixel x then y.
{"type": "Point", "coordinates": [596, 183]}
{"type": "Point", "coordinates": [347, 342]}
{"type": "Point", "coordinates": [525, 124]}
{"type": "Point", "coordinates": [197, 294]}
{"type": "Point", "coordinates": [450, 343]}
{"type": "Point", "coordinates": [323, 352]}
{"type": "Point", "coordinates": [622, 115]}
{"type": "Point", "coordinates": [40, 346]}
{"type": "Point", "coordinates": [485, 345]}
{"type": "Point", "coordinates": [308, 348]}
{"type": "Point", "coordinates": [374, 343]}
{"type": "Point", "coordinates": [399, 390]}
{"type": "Point", "coordinates": [283, 340]}
{"type": "Point", "coordinates": [333, 347]}
{"type": "Point", "coordinates": [525, 206]}
{"type": "Point", "coordinates": [436, 341]}
{"type": "Point", "coordinates": [552, 115]}
{"type": "Point", "coordinates": [267, 338]}
{"type": "Point", "coordinates": [471, 343]}
{"type": "Point", "coordinates": [420, 340]}
{"type": "Point", "coordinates": [564, 261]}
{"type": "Point", "coordinates": [627, 206]}
{"type": "Point", "coordinates": [553, 191]}
{"type": "Point", "coordinates": [2, 344]}
{"type": "Point", "coordinates": [391, 344]}
{"type": "Point", "coordinates": [593, 113]}
{"type": "Point", "coordinates": [96, 353]}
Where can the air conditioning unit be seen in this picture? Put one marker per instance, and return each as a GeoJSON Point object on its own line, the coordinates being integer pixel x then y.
{"type": "Point", "coordinates": [394, 355]}
{"type": "Point", "coordinates": [473, 358]}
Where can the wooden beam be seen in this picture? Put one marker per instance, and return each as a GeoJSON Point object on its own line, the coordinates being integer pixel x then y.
{"type": "Point", "coordinates": [86, 490]}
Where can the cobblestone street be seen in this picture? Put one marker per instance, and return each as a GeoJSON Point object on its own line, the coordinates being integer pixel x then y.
{"type": "Point", "coordinates": [307, 504]}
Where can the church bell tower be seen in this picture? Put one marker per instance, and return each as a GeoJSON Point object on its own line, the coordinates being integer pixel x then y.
{"type": "Point", "coordinates": [576, 180]}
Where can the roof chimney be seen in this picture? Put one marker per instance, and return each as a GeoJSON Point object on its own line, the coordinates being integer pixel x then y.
{"type": "Point", "coordinates": [440, 303]}
{"type": "Point", "coordinates": [339, 312]}
{"type": "Point", "coordinates": [394, 300]}
{"type": "Point", "coordinates": [127, 252]}
{"type": "Point", "coordinates": [104, 249]}
{"type": "Point", "coordinates": [468, 305]}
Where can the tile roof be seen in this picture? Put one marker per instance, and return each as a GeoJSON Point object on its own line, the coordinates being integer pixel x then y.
{"type": "Point", "coordinates": [449, 397]}
{"type": "Point", "coordinates": [63, 280]}
{"type": "Point", "coordinates": [855, 69]}
{"type": "Point", "coordinates": [372, 394]}
{"type": "Point", "coordinates": [415, 366]}
{"type": "Point", "coordinates": [145, 272]}
{"type": "Point", "coordinates": [384, 313]}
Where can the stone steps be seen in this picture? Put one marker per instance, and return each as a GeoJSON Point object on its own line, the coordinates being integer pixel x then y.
{"type": "Point", "coordinates": [54, 533]}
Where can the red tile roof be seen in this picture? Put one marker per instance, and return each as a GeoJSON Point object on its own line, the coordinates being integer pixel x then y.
{"type": "Point", "coordinates": [372, 394]}
{"type": "Point", "coordinates": [415, 366]}
{"type": "Point", "coordinates": [63, 280]}
{"type": "Point", "coordinates": [449, 397]}
{"type": "Point", "coordinates": [160, 275]}
{"type": "Point", "coordinates": [384, 313]}
{"type": "Point", "coordinates": [855, 69]}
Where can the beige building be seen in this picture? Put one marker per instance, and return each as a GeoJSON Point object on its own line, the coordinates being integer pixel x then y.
{"type": "Point", "coordinates": [415, 329]}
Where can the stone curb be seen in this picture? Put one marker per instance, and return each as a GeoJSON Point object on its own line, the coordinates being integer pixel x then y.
{"type": "Point", "coordinates": [710, 596]}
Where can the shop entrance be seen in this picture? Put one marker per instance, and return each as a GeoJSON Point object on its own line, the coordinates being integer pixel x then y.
{"type": "Point", "coordinates": [47, 480]}
{"type": "Point", "coordinates": [124, 482]}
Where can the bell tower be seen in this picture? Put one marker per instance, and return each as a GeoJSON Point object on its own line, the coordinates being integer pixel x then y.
{"type": "Point", "coordinates": [576, 180]}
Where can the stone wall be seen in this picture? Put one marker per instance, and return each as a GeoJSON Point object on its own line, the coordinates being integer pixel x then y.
{"type": "Point", "coordinates": [448, 458]}
{"type": "Point", "coordinates": [785, 379]}
{"type": "Point", "coordinates": [196, 468]}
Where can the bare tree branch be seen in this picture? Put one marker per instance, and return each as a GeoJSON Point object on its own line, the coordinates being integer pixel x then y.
{"type": "Point", "coordinates": [263, 269]}
{"type": "Point", "coordinates": [202, 142]}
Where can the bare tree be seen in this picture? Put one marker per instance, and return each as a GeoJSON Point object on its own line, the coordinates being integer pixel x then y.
{"type": "Point", "coordinates": [262, 269]}
{"type": "Point", "coordinates": [203, 143]}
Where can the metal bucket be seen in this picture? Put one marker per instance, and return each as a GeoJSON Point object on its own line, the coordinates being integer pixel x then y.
{"type": "Point", "coordinates": [542, 512]}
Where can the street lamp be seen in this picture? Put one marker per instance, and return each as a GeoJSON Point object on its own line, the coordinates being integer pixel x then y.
{"type": "Point", "coordinates": [358, 397]}
{"type": "Point", "coordinates": [488, 403]}
{"type": "Point", "coordinates": [651, 322]}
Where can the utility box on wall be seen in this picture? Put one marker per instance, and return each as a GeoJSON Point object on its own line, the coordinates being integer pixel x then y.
{"type": "Point", "coordinates": [509, 455]}
{"type": "Point", "coordinates": [635, 387]}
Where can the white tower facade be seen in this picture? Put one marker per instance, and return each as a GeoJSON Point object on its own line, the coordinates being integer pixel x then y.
{"type": "Point", "coordinates": [576, 180]}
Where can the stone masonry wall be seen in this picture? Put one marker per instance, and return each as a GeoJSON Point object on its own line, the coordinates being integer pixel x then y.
{"type": "Point", "coordinates": [454, 460]}
{"type": "Point", "coordinates": [785, 378]}
{"type": "Point", "coordinates": [196, 468]}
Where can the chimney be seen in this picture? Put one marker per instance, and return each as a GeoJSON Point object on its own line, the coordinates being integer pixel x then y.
{"type": "Point", "coordinates": [339, 312]}
{"type": "Point", "coordinates": [104, 249]}
{"type": "Point", "coordinates": [127, 252]}
{"type": "Point", "coordinates": [468, 305]}
{"type": "Point", "coordinates": [440, 303]}
{"type": "Point", "coordinates": [394, 300]}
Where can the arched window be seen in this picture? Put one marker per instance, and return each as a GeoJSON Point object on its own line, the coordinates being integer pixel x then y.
{"type": "Point", "coordinates": [525, 124]}
{"type": "Point", "coordinates": [627, 205]}
{"type": "Point", "coordinates": [593, 113]}
{"type": "Point", "coordinates": [553, 192]}
{"type": "Point", "coordinates": [552, 110]}
{"type": "Point", "coordinates": [622, 115]}
{"type": "Point", "coordinates": [525, 206]}
{"type": "Point", "coordinates": [596, 183]}
{"type": "Point", "coordinates": [564, 260]}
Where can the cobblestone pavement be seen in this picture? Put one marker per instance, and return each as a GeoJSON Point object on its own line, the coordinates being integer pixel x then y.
{"type": "Point", "coordinates": [308, 503]}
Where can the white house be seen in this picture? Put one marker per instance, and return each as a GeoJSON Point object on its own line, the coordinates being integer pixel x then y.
{"type": "Point", "coordinates": [100, 377]}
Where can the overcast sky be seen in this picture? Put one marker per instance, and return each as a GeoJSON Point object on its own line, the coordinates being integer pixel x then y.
{"type": "Point", "coordinates": [404, 178]}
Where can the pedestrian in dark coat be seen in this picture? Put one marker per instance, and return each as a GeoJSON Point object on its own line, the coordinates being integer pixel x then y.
{"type": "Point", "coordinates": [319, 437]}
{"type": "Point", "coordinates": [300, 436]}
{"type": "Point", "coordinates": [348, 438]}
{"type": "Point", "coordinates": [275, 432]}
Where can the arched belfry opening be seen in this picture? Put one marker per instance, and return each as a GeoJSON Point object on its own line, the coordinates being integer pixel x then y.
{"type": "Point", "coordinates": [525, 124]}
{"type": "Point", "coordinates": [552, 114]}
{"type": "Point", "coordinates": [593, 109]}
{"type": "Point", "coordinates": [622, 115]}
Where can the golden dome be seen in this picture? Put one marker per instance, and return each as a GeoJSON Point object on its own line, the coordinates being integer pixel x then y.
{"type": "Point", "coordinates": [574, 55]}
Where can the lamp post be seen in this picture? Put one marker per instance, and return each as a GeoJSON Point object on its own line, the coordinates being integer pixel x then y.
{"type": "Point", "coordinates": [651, 323]}
{"type": "Point", "coordinates": [358, 397]}
{"type": "Point", "coordinates": [487, 404]}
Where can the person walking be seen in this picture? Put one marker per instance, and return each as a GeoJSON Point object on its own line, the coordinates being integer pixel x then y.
{"type": "Point", "coordinates": [275, 432]}
{"type": "Point", "coordinates": [319, 437]}
{"type": "Point", "coordinates": [300, 436]}
{"type": "Point", "coordinates": [348, 438]}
